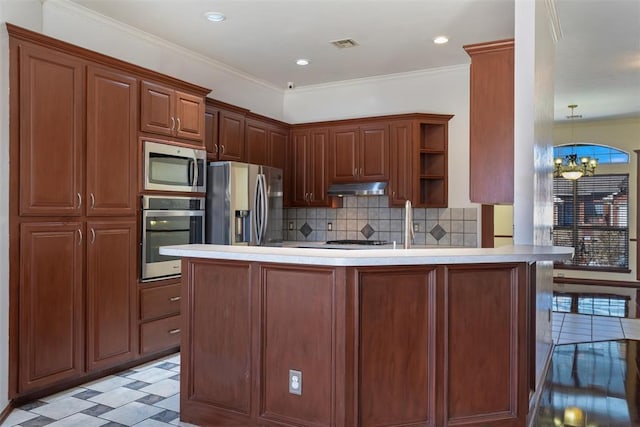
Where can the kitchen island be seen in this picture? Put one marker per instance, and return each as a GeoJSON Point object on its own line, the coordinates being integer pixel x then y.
{"type": "Point", "coordinates": [377, 337]}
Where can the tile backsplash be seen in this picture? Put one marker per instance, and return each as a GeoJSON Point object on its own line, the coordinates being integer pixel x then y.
{"type": "Point", "coordinates": [368, 217]}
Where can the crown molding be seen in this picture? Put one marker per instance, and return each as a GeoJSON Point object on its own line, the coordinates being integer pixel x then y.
{"type": "Point", "coordinates": [157, 41]}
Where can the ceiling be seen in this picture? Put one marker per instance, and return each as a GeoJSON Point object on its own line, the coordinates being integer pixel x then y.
{"type": "Point", "coordinates": [598, 57]}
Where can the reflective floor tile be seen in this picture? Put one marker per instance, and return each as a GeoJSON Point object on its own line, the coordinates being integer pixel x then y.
{"type": "Point", "coordinates": [131, 413]}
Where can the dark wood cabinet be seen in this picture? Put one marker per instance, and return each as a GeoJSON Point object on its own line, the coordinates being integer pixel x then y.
{"type": "Point", "coordinates": [112, 123]}
{"type": "Point", "coordinates": [491, 120]}
{"type": "Point", "coordinates": [278, 142]}
{"type": "Point", "coordinates": [400, 162]}
{"type": "Point", "coordinates": [391, 345]}
{"type": "Point", "coordinates": [308, 167]}
{"type": "Point", "coordinates": [111, 293]}
{"type": "Point", "coordinates": [51, 131]}
{"type": "Point", "coordinates": [159, 316]}
{"type": "Point", "coordinates": [359, 153]}
{"type": "Point", "coordinates": [51, 303]}
{"type": "Point", "coordinates": [431, 162]}
{"type": "Point", "coordinates": [170, 112]}
{"type": "Point", "coordinates": [266, 142]}
{"type": "Point", "coordinates": [225, 137]}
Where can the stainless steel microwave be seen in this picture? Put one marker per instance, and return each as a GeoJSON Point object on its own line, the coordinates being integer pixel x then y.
{"type": "Point", "coordinates": [174, 168]}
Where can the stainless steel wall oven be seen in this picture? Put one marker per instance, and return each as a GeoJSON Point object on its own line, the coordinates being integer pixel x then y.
{"type": "Point", "coordinates": [168, 220]}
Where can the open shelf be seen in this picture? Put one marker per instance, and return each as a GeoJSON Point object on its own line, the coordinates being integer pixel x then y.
{"type": "Point", "coordinates": [432, 165]}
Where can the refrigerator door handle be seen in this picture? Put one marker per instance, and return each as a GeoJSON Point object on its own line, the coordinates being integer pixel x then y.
{"type": "Point", "coordinates": [265, 207]}
{"type": "Point", "coordinates": [258, 210]}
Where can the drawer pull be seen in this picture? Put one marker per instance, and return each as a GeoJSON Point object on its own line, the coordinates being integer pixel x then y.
{"type": "Point", "coordinates": [174, 299]}
{"type": "Point", "coordinates": [174, 331]}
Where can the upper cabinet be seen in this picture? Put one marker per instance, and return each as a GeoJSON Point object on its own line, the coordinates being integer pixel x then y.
{"type": "Point", "coordinates": [308, 167]}
{"type": "Point", "coordinates": [170, 112]}
{"type": "Point", "coordinates": [112, 123]}
{"type": "Point", "coordinates": [225, 132]}
{"type": "Point", "coordinates": [491, 122]}
{"type": "Point", "coordinates": [51, 126]}
{"type": "Point", "coordinates": [359, 153]}
{"type": "Point", "coordinates": [266, 141]}
{"type": "Point", "coordinates": [400, 164]}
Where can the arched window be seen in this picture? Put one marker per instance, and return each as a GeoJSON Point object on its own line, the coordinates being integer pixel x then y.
{"type": "Point", "coordinates": [604, 153]}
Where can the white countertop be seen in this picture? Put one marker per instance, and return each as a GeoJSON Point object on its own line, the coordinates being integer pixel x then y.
{"type": "Point", "coordinates": [372, 257]}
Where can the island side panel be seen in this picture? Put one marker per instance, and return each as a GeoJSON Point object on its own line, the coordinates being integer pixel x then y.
{"type": "Point", "coordinates": [216, 342]}
{"type": "Point", "coordinates": [485, 345]}
{"type": "Point", "coordinates": [301, 332]}
{"type": "Point", "coordinates": [396, 346]}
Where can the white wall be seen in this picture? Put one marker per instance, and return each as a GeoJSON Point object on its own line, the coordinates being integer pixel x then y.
{"type": "Point", "coordinates": [27, 14]}
{"type": "Point", "coordinates": [80, 26]}
{"type": "Point", "coordinates": [442, 91]}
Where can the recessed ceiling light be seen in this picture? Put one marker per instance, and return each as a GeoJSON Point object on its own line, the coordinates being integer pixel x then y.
{"type": "Point", "coordinates": [302, 61]}
{"type": "Point", "coordinates": [441, 40]}
{"type": "Point", "coordinates": [215, 16]}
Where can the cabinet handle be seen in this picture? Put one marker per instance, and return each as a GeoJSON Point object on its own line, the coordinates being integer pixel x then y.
{"type": "Point", "coordinates": [355, 171]}
{"type": "Point", "coordinates": [80, 235]}
{"type": "Point", "coordinates": [178, 124]}
{"type": "Point", "coordinates": [174, 331]}
{"type": "Point", "coordinates": [173, 123]}
{"type": "Point", "coordinates": [215, 148]}
{"type": "Point", "coordinates": [79, 200]}
{"type": "Point", "coordinates": [93, 236]}
{"type": "Point", "coordinates": [174, 299]}
{"type": "Point", "coordinates": [93, 201]}
{"type": "Point", "coordinates": [222, 149]}
{"type": "Point", "coordinates": [361, 172]}
{"type": "Point", "coordinates": [310, 197]}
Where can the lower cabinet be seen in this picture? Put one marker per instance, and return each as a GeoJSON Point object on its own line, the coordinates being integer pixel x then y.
{"type": "Point", "coordinates": [111, 293]}
{"type": "Point", "coordinates": [159, 316]}
{"type": "Point", "coordinates": [51, 337]}
{"type": "Point", "coordinates": [437, 345]}
{"type": "Point", "coordinates": [70, 324]}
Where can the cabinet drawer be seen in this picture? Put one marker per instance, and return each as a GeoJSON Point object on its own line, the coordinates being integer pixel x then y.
{"type": "Point", "coordinates": [160, 334]}
{"type": "Point", "coordinates": [160, 301]}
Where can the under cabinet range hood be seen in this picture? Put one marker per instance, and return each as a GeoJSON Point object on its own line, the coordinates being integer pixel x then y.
{"type": "Point", "coordinates": [357, 189]}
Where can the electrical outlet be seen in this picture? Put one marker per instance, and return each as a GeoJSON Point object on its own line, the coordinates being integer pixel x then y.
{"type": "Point", "coordinates": [290, 225]}
{"type": "Point", "coordinates": [416, 227]}
{"type": "Point", "coordinates": [329, 226]}
{"type": "Point", "coordinates": [295, 382]}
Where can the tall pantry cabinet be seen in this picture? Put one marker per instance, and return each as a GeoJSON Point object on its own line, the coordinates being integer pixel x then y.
{"type": "Point", "coordinates": [73, 214]}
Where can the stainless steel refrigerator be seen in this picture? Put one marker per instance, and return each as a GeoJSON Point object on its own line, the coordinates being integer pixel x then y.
{"type": "Point", "coordinates": [244, 204]}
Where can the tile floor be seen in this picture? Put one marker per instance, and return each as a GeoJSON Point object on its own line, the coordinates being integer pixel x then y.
{"type": "Point", "coordinates": [148, 395]}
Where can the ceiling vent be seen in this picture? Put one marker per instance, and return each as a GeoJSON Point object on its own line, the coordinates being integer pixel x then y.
{"type": "Point", "coordinates": [344, 43]}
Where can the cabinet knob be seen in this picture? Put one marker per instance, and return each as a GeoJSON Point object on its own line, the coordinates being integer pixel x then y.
{"type": "Point", "coordinates": [174, 299]}
{"type": "Point", "coordinates": [173, 123]}
{"type": "Point", "coordinates": [174, 331]}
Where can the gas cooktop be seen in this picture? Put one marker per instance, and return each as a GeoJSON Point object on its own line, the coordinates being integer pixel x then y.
{"type": "Point", "coordinates": [356, 242]}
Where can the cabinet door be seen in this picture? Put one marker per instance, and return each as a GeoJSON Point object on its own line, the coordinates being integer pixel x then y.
{"type": "Point", "coordinates": [277, 148]}
{"type": "Point", "coordinates": [256, 138]}
{"type": "Point", "coordinates": [231, 136]}
{"type": "Point", "coordinates": [51, 344]}
{"type": "Point", "coordinates": [344, 154]}
{"type": "Point", "coordinates": [51, 132]}
{"type": "Point", "coordinates": [401, 171]}
{"type": "Point", "coordinates": [111, 142]}
{"type": "Point", "coordinates": [211, 116]}
{"type": "Point", "coordinates": [491, 123]}
{"type": "Point", "coordinates": [111, 293]}
{"type": "Point", "coordinates": [374, 153]}
{"type": "Point", "coordinates": [157, 105]}
{"type": "Point", "coordinates": [189, 116]}
{"type": "Point", "coordinates": [298, 167]}
{"type": "Point", "coordinates": [317, 167]}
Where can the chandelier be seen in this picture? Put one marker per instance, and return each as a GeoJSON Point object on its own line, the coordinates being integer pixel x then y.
{"type": "Point", "coordinates": [570, 167]}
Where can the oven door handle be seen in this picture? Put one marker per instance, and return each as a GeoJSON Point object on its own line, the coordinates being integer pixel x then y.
{"type": "Point", "coordinates": [147, 213]}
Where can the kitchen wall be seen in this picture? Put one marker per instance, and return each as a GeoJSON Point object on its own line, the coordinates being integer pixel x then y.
{"type": "Point", "coordinates": [370, 218]}
{"type": "Point", "coordinates": [27, 14]}
{"type": "Point", "coordinates": [75, 24]}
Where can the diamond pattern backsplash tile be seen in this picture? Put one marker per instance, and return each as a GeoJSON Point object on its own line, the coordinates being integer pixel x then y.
{"type": "Point", "coordinates": [306, 229]}
{"type": "Point", "coordinates": [438, 232]}
{"type": "Point", "coordinates": [367, 231]}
